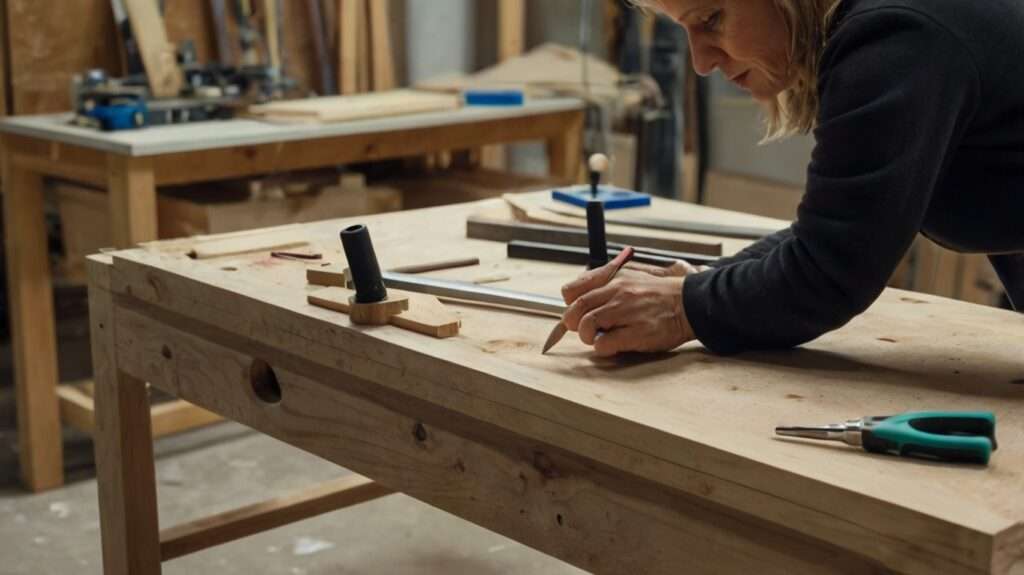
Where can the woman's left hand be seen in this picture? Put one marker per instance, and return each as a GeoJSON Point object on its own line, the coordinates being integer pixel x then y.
{"type": "Point", "coordinates": [636, 311]}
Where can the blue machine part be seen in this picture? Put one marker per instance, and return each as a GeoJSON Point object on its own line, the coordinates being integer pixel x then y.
{"type": "Point", "coordinates": [494, 97]}
{"type": "Point", "coordinates": [119, 116]}
{"type": "Point", "coordinates": [612, 196]}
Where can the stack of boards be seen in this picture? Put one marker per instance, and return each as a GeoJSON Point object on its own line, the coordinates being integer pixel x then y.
{"type": "Point", "coordinates": [355, 107]}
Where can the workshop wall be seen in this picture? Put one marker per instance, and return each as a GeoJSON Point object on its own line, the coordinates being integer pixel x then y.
{"type": "Point", "coordinates": [48, 41]}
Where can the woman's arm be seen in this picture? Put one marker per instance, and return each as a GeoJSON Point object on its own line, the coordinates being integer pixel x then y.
{"type": "Point", "coordinates": [897, 91]}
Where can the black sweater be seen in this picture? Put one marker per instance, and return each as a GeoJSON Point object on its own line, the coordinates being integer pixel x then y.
{"type": "Point", "coordinates": [920, 129]}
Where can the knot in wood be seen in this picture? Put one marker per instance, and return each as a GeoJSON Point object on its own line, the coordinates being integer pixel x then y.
{"type": "Point", "coordinates": [544, 465]}
{"type": "Point", "coordinates": [419, 431]}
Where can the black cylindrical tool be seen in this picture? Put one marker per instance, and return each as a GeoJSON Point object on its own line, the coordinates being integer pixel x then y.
{"type": "Point", "coordinates": [362, 263]}
{"type": "Point", "coordinates": [595, 234]}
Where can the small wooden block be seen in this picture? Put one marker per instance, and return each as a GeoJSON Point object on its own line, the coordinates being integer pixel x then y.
{"type": "Point", "coordinates": [427, 315]}
{"type": "Point", "coordinates": [379, 313]}
{"type": "Point", "coordinates": [343, 300]}
{"type": "Point", "coordinates": [325, 276]}
{"type": "Point", "coordinates": [423, 314]}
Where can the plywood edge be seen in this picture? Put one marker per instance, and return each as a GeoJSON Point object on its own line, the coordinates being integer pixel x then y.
{"type": "Point", "coordinates": [1008, 551]}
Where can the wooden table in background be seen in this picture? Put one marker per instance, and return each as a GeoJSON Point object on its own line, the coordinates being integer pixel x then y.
{"type": "Point", "coordinates": [641, 464]}
{"type": "Point", "coordinates": [131, 164]}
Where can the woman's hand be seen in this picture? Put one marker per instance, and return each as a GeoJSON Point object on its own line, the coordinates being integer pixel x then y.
{"type": "Point", "coordinates": [678, 269]}
{"type": "Point", "coordinates": [640, 310]}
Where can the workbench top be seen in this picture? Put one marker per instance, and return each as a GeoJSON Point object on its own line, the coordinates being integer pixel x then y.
{"type": "Point", "coordinates": [244, 132]}
{"type": "Point", "coordinates": [690, 419]}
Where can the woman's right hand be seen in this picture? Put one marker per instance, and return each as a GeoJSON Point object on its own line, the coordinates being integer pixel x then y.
{"type": "Point", "coordinates": [678, 269]}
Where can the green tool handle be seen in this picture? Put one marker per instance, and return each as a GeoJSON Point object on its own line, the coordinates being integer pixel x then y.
{"type": "Point", "coordinates": [953, 436]}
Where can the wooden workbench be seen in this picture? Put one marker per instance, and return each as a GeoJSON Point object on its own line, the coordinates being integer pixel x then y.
{"type": "Point", "coordinates": [131, 164]}
{"type": "Point", "coordinates": [643, 464]}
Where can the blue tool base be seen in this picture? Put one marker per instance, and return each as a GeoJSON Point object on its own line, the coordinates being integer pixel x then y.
{"type": "Point", "coordinates": [613, 197]}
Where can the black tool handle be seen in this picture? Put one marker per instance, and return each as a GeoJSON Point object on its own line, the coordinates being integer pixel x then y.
{"type": "Point", "coordinates": [362, 263]}
{"type": "Point", "coordinates": [595, 234]}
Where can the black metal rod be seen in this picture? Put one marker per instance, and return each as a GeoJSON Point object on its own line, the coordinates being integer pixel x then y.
{"type": "Point", "coordinates": [595, 234]}
{"type": "Point", "coordinates": [577, 255]}
{"type": "Point", "coordinates": [362, 262]}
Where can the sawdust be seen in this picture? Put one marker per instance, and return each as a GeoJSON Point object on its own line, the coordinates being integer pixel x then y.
{"type": "Point", "coordinates": [504, 345]}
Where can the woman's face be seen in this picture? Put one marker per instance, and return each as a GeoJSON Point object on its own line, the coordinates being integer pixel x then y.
{"type": "Point", "coordinates": [746, 39]}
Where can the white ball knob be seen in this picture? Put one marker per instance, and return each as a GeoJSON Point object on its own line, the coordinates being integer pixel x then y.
{"type": "Point", "coordinates": [598, 163]}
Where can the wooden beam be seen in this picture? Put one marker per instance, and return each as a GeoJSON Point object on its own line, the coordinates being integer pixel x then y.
{"type": "Point", "coordinates": [158, 54]}
{"type": "Point", "coordinates": [33, 341]}
{"type": "Point", "coordinates": [382, 55]}
{"type": "Point", "coordinates": [76, 408]}
{"type": "Point", "coordinates": [238, 523]}
{"type": "Point", "coordinates": [178, 416]}
{"type": "Point", "coordinates": [511, 28]}
{"type": "Point", "coordinates": [132, 193]}
{"type": "Point", "coordinates": [124, 452]}
{"type": "Point", "coordinates": [270, 24]}
{"type": "Point", "coordinates": [348, 45]}
{"type": "Point", "coordinates": [363, 48]}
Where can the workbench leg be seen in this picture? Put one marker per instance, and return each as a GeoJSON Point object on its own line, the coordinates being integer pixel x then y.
{"type": "Point", "coordinates": [131, 185]}
{"type": "Point", "coordinates": [565, 150]}
{"type": "Point", "coordinates": [33, 337]}
{"type": "Point", "coordinates": [124, 454]}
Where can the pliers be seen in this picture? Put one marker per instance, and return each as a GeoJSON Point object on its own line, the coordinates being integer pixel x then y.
{"type": "Point", "coordinates": [953, 436]}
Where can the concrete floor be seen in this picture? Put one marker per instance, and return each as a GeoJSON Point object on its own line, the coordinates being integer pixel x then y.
{"type": "Point", "coordinates": [222, 467]}
{"type": "Point", "coordinates": [227, 465]}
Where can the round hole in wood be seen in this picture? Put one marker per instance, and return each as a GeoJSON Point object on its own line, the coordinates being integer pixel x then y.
{"type": "Point", "coordinates": [264, 381]}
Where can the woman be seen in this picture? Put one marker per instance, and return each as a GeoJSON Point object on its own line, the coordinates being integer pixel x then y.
{"type": "Point", "coordinates": [917, 107]}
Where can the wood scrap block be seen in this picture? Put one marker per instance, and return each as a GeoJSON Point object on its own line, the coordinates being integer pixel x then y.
{"type": "Point", "coordinates": [378, 313]}
{"type": "Point", "coordinates": [424, 313]}
{"type": "Point", "coordinates": [328, 276]}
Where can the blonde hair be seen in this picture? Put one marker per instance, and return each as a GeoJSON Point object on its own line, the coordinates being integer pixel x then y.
{"type": "Point", "coordinates": [795, 109]}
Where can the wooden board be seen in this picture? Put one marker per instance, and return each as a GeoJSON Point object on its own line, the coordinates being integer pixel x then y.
{"type": "Point", "coordinates": [511, 28]}
{"type": "Point", "coordinates": [357, 107]}
{"type": "Point", "coordinates": [238, 523]}
{"type": "Point", "coordinates": [690, 424]}
{"type": "Point", "coordinates": [530, 209]}
{"type": "Point", "coordinates": [349, 31]}
{"type": "Point", "coordinates": [423, 313]}
{"type": "Point", "coordinates": [496, 228]}
{"type": "Point", "coordinates": [247, 243]}
{"type": "Point", "coordinates": [159, 55]}
{"type": "Point", "coordinates": [382, 54]}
